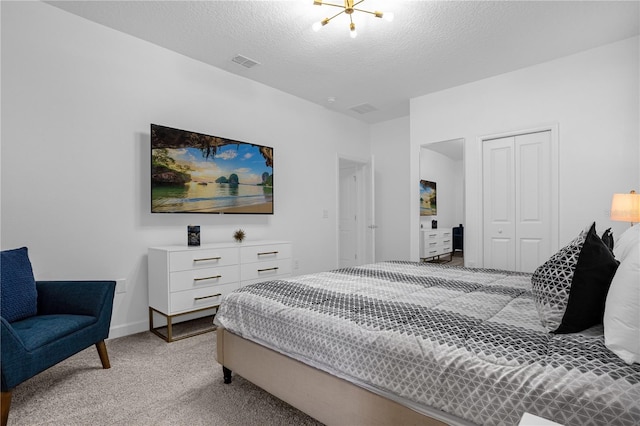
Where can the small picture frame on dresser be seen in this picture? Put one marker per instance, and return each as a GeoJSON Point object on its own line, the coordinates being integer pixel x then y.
{"type": "Point", "coordinates": [434, 224]}
{"type": "Point", "coordinates": [193, 235]}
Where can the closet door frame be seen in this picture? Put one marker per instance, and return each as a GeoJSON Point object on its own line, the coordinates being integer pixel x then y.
{"type": "Point", "coordinates": [553, 196]}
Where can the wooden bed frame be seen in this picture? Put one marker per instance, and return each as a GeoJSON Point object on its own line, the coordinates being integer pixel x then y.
{"type": "Point", "coordinates": [327, 398]}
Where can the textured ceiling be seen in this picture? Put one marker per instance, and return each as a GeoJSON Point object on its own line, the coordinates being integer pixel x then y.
{"type": "Point", "coordinates": [430, 45]}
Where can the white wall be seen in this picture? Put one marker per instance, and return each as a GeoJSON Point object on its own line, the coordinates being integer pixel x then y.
{"type": "Point", "coordinates": [77, 101]}
{"type": "Point", "coordinates": [593, 96]}
{"type": "Point", "coordinates": [390, 148]}
{"type": "Point", "coordinates": [447, 174]}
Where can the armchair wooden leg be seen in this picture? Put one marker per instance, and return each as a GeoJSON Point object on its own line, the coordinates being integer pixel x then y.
{"type": "Point", "coordinates": [102, 352]}
{"type": "Point", "coordinates": [5, 402]}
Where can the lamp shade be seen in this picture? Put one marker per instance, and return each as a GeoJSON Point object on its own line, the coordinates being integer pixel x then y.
{"type": "Point", "coordinates": [626, 207]}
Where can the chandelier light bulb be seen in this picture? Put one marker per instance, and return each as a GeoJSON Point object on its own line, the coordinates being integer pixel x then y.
{"type": "Point", "coordinates": [353, 32]}
{"type": "Point", "coordinates": [388, 16]}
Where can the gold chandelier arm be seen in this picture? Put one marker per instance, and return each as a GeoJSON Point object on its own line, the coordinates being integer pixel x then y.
{"type": "Point", "coordinates": [329, 4]}
{"type": "Point", "coordinates": [342, 6]}
{"type": "Point", "coordinates": [365, 11]}
{"type": "Point", "coordinates": [329, 19]}
{"type": "Point", "coordinates": [377, 13]}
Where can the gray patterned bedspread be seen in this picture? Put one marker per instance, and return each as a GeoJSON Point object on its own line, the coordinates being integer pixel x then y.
{"type": "Point", "coordinates": [464, 341]}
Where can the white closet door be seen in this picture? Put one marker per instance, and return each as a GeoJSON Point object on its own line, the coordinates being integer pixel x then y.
{"type": "Point", "coordinates": [516, 206]}
{"type": "Point", "coordinates": [498, 204]}
{"type": "Point", "coordinates": [532, 207]}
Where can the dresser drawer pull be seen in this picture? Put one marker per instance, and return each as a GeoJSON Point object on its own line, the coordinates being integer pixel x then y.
{"type": "Point", "coordinates": [208, 278]}
{"type": "Point", "coordinates": [446, 241]}
{"type": "Point", "coordinates": [207, 259]}
{"type": "Point", "coordinates": [268, 269]}
{"type": "Point", "coordinates": [207, 297]}
{"type": "Point", "coordinates": [267, 252]}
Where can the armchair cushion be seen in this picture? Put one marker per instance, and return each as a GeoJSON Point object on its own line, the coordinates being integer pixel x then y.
{"type": "Point", "coordinates": [19, 298]}
{"type": "Point", "coordinates": [43, 329]}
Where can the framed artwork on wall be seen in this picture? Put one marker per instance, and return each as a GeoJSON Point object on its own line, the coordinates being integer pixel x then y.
{"type": "Point", "coordinates": [428, 205]}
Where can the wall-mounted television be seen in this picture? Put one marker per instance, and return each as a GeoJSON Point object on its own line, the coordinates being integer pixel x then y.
{"type": "Point", "coordinates": [196, 173]}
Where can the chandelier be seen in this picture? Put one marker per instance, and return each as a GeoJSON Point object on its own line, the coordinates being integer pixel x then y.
{"type": "Point", "coordinates": [348, 8]}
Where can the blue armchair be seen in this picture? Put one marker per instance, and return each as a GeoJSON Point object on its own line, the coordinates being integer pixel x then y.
{"type": "Point", "coordinates": [70, 316]}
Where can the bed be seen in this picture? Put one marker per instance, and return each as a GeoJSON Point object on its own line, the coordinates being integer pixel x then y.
{"type": "Point", "coordinates": [419, 343]}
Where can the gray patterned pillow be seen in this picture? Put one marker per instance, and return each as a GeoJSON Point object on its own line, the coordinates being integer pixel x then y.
{"type": "Point", "coordinates": [551, 283]}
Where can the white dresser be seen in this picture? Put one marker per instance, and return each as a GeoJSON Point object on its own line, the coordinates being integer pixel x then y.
{"type": "Point", "coordinates": [435, 242]}
{"type": "Point", "coordinates": [186, 280]}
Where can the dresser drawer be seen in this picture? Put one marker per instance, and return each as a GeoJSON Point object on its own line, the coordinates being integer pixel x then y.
{"type": "Point", "coordinates": [431, 235]}
{"type": "Point", "coordinates": [431, 252]}
{"type": "Point", "coordinates": [264, 253]}
{"type": "Point", "coordinates": [265, 270]}
{"type": "Point", "coordinates": [188, 300]}
{"type": "Point", "coordinates": [203, 258]}
{"type": "Point", "coordinates": [200, 278]}
{"type": "Point", "coordinates": [428, 245]}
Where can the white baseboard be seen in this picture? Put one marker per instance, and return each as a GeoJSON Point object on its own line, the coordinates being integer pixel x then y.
{"type": "Point", "coordinates": [128, 329]}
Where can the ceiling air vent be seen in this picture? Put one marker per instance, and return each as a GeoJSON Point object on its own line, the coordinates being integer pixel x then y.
{"type": "Point", "coordinates": [244, 61]}
{"type": "Point", "coordinates": [363, 108]}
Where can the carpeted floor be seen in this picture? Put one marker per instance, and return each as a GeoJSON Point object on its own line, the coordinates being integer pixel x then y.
{"type": "Point", "coordinates": [150, 382]}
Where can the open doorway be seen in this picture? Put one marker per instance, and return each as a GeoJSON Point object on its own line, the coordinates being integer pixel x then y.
{"type": "Point", "coordinates": [442, 223]}
{"type": "Point", "coordinates": [356, 225]}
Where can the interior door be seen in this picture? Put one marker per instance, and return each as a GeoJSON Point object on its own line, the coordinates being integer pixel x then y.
{"type": "Point", "coordinates": [356, 207]}
{"type": "Point", "coordinates": [348, 219]}
{"type": "Point", "coordinates": [532, 208]}
{"type": "Point", "coordinates": [498, 205]}
{"type": "Point", "coordinates": [516, 207]}
{"type": "Point", "coordinates": [369, 207]}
